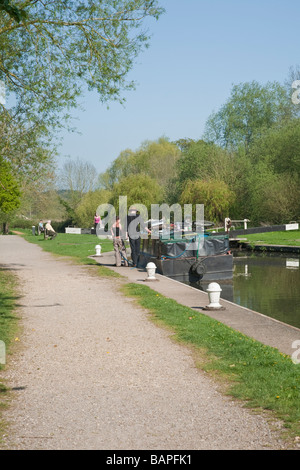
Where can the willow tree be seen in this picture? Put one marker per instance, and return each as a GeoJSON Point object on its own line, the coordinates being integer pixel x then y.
{"type": "Point", "coordinates": [216, 196]}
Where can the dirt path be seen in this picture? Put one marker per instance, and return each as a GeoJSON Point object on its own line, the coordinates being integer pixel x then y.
{"type": "Point", "coordinates": [94, 373]}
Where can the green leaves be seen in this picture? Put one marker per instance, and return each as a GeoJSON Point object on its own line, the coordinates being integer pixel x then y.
{"type": "Point", "coordinates": [16, 13]}
{"type": "Point", "coordinates": [251, 109]}
{"type": "Point", "coordinates": [9, 190]}
{"type": "Point", "coordinates": [65, 45]}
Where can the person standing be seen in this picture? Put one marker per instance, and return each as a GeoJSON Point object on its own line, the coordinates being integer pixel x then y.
{"type": "Point", "coordinates": [134, 234]}
{"type": "Point", "coordinates": [118, 242]}
{"type": "Point", "coordinates": [97, 221]}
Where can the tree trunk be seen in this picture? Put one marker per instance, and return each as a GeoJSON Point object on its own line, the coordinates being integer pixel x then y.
{"type": "Point", "coordinates": [5, 228]}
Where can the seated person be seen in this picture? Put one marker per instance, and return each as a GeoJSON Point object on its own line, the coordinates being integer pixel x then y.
{"type": "Point", "coordinates": [50, 230]}
{"type": "Point", "coordinates": [40, 227]}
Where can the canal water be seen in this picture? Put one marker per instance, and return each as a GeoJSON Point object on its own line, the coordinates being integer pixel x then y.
{"type": "Point", "coordinates": [267, 283]}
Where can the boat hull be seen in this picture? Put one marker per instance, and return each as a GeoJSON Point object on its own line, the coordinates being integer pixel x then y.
{"type": "Point", "coordinates": [188, 266]}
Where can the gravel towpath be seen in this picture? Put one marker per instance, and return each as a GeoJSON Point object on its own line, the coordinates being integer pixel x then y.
{"type": "Point", "coordinates": [93, 372]}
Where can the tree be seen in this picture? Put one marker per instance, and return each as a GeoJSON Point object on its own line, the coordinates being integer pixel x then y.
{"type": "Point", "coordinates": [274, 198]}
{"type": "Point", "coordinates": [14, 12]}
{"type": "Point", "coordinates": [251, 109]}
{"type": "Point", "coordinates": [139, 189]}
{"type": "Point", "coordinates": [156, 159]}
{"type": "Point", "coordinates": [215, 195]}
{"type": "Point", "coordinates": [199, 160]}
{"type": "Point", "coordinates": [119, 169]}
{"type": "Point", "coordinates": [78, 178]}
{"type": "Point", "coordinates": [87, 208]}
{"type": "Point", "coordinates": [52, 51]}
{"type": "Point", "coordinates": [280, 147]}
{"type": "Point", "coordinates": [9, 193]}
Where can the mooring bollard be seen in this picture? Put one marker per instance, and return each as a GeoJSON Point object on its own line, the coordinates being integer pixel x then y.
{"type": "Point", "coordinates": [98, 250]}
{"type": "Point", "coordinates": [151, 268]}
{"type": "Point", "coordinates": [214, 292]}
{"type": "Point", "coordinates": [33, 230]}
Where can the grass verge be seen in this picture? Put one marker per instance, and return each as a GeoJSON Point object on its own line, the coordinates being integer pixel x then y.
{"type": "Point", "coordinates": [288, 238]}
{"type": "Point", "coordinates": [259, 375]}
{"type": "Point", "coordinates": [8, 329]}
{"type": "Point", "coordinates": [76, 247]}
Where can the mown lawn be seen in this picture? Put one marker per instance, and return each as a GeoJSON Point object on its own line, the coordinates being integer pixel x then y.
{"type": "Point", "coordinates": [287, 238]}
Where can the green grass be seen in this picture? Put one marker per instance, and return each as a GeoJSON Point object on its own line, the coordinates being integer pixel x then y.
{"type": "Point", "coordinates": [8, 326]}
{"type": "Point", "coordinates": [77, 247]}
{"type": "Point", "coordinates": [290, 238]}
{"type": "Point", "coordinates": [259, 375]}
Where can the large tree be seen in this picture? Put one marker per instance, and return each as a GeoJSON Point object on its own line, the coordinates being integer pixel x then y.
{"type": "Point", "coordinates": [52, 51]}
{"type": "Point", "coordinates": [251, 109]}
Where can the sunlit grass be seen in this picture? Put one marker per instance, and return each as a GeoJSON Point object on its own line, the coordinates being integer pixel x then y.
{"type": "Point", "coordinates": [289, 238]}
{"type": "Point", "coordinates": [257, 374]}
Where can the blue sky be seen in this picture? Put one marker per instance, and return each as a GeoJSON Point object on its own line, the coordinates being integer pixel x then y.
{"type": "Point", "coordinates": [198, 50]}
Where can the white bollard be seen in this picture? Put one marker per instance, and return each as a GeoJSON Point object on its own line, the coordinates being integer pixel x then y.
{"type": "Point", "coordinates": [214, 292]}
{"type": "Point", "coordinates": [98, 250]}
{"type": "Point", "coordinates": [151, 268]}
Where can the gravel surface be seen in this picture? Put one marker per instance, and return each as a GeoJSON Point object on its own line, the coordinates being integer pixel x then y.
{"type": "Point", "coordinates": [93, 372]}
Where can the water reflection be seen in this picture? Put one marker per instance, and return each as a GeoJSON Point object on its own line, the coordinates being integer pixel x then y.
{"type": "Point", "coordinates": [267, 283]}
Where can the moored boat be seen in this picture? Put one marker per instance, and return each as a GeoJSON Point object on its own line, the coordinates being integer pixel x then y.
{"type": "Point", "coordinates": [191, 258]}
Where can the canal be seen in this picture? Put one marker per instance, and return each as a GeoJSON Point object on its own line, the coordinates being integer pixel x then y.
{"type": "Point", "coordinates": [267, 283]}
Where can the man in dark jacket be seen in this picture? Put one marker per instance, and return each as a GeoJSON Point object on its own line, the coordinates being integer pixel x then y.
{"type": "Point", "coordinates": [134, 226]}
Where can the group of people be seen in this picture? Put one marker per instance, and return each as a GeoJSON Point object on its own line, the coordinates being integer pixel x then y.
{"type": "Point", "coordinates": [47, 229]}
{"type": "Point", "coordinates": [118, 236]}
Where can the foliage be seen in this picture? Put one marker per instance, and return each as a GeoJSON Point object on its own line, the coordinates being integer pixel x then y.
{"type": "Point", "coordinates": [251, 109]}
{"type": "Point", "coordinates": [9, 189]}
{"type": "Point", "coordinates": [139, 189]}
{"type": "Point", "coordinates": [156, 159]}
{"type": "Point", "coordinates": [199, 160]}
{"type": "Point", "coordinates": [87, 208]}
{"type": "Point", "coordinates": [14, 12]}
{"type": "Point", "coordinates": [78, 178]}
{"type": "Point", "coordinates": [57, 49]}
{"type": "Point", "coordinates": [215, 195]}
